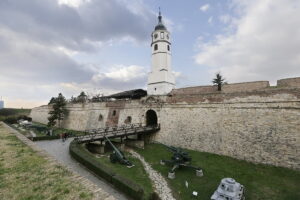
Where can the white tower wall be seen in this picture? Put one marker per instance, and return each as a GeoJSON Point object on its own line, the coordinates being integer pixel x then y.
{"type": "Point", "coordinates": [161, 79]}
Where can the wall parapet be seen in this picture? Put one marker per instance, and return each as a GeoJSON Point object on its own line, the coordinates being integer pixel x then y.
{"type": "Point", "coordinates": [289, 82]}
{"type": "Point", "coordinates": [227, 88]}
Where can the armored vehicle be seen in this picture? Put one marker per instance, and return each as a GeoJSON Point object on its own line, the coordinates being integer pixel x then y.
{"type": "Point", "coordinates": [229, 189]}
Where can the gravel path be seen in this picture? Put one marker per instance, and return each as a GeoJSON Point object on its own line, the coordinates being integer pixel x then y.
{"type": "Point", "coordinates": [160, 184]}
{"type": "Point", "coordinates": [32, 134]}
{"type": "Point", "coordinates": [60, 151]}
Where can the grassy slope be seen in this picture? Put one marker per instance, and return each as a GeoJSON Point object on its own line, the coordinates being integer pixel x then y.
{"type": "Point", "coordinates": [14, 111]}
{"type": "Point", "coordinates": [137, 173]}
{"type": "Point", "coordinates": [261, 181]}
{"type": "Point", "coordinates": [26, 175]}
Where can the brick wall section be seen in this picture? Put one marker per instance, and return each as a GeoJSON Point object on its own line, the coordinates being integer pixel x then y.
{"type": "Point", "coordinates": [258, 132]}
{"type": "Point", "coordinates": [245, 87]}
{"type": "Point", "coordinates": [276, 94]}
{"type": "Point", "coordinates": [289, 82]}
{"type": "Point", "coordinates": [228, 88]}
{"type": "Point", "coordinates": [114, 112]}
{"type": "Point", "coordinates": [195, 90]}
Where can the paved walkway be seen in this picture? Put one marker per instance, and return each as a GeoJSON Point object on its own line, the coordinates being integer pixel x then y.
{"type": "Point", "coordinates": [60, 151]}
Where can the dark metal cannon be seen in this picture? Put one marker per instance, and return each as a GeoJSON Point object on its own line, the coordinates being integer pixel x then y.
{"type": "Point", "coordinates": [179, 159]}
{"type": "Point", "coordinates": [117, 155]}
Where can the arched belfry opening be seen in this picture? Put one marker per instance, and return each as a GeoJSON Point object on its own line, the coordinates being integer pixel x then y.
{"type": "Point", "coordinates": [151, 118]}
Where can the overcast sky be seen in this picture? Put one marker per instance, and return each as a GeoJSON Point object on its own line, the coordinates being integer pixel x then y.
{"type": "Point", "coordinates": [103, 46]}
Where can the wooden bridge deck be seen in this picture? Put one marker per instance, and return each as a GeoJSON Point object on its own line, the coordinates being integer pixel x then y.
{"type": "Point", "coordinates": [115, 132]}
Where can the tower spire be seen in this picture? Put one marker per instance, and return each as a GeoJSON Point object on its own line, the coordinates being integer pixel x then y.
{"type": "Point", "coordinates": [159, 16]}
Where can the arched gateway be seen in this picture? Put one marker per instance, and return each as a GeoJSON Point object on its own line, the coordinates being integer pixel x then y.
{"type": "Point", "coordinates": [151, 118]}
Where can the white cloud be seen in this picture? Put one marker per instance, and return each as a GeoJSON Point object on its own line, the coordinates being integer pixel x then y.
{"type": "Point", "coordinates": [264, 43]}
{"type": "Point", "coordinates": [210, 20]}
{"type": "Point", "coordinates": [205, 7]}
{"type": "Point", "coordinates": [225, 19]}
{"type": "Point", "coordinates": [122, 77]}
{"type": "Point", "coordinates": [73, 3]}
{"type": "Point", "coordinates": [39, 40]}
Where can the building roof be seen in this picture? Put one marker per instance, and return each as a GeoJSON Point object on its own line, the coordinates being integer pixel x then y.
{"type": "Point", "coordinates": [131, 94]}
{"type": "Point", "coordinates": [160, 25]}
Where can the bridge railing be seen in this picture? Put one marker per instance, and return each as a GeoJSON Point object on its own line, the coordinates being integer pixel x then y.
{"type": "Point", "coordinates": [123, 130]}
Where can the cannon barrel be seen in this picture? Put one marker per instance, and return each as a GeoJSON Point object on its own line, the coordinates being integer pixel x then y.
{"type": "Point", "coordinates": [170, 148]}
{"type": "Point", "coordinates": [119, 154]}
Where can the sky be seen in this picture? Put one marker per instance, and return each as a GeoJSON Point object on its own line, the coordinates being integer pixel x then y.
{"type": "Point", "coordinates": [103, 46]}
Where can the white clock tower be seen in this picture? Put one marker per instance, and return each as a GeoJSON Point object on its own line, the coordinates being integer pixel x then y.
{"type": "Point", "coordinates": [161, 79]}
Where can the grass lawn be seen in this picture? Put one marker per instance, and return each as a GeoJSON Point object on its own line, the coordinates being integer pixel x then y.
{"type": "Point", "coordinates": [260, 181]}
{"type": "Point", "coordinates": [25, 175]}
{"type": "Point", "coordinates": [136, 174]}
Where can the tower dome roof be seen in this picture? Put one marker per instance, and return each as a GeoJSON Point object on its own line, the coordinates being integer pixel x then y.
{"type": "Point", "coordinates": [160, 25]}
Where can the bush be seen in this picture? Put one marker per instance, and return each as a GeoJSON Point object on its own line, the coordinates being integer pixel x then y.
{"type": "Point", "coordinates": [12, 111]}
{"type": "Point", "coordinates": [83, 157]}
{"type": "Point", "coordinates": [39, 138]}
{"type": "Point", "coordinates": [130, 188]}
{"type": "Point", "coordinates": [24, 117]}
{"type": "Point", "coordinates": [11, 119]}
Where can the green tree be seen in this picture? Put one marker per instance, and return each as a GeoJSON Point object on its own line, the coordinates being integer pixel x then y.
{"type": "Point", "coordinates": [82, 97]}
{"type": "Point", "coordinates": [219, 81]}
{"type": "Point", "coordinates": [52, 100]}
{"type": "Point", "coordinates": [58, 111]}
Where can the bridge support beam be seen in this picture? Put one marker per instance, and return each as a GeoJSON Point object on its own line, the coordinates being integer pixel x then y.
{"type": "Point", "coordinates": [96, 147]}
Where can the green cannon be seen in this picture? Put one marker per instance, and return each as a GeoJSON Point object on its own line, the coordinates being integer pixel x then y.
{"type": "Point", "coordinates": [117, 155]}
{"type": "Point", "coordinates": [179, 159]}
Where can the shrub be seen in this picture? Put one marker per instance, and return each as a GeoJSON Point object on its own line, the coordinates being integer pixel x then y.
{"type": "Point", "coordinates": [130, 188]}
{"type": "Point", "coordinates": [11, 120]}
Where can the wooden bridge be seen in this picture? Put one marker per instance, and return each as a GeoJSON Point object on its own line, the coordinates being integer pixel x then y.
{"type": "Point", "coordinates": [116, 132]}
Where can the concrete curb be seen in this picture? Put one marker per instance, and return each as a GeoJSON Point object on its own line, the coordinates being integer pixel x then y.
{"type": "Point", "coordinates": [98, 193]}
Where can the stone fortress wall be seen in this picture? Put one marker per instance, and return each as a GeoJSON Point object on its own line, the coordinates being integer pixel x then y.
{"type": "Point", "coordinates": [249, 121]}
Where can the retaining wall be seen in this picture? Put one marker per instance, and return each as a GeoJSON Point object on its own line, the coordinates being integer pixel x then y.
{"type": "Point", "coordinates": [258, 126]}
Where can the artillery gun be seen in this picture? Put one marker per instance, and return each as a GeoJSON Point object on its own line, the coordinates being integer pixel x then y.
{"type": "Point", "coordinates": [117, 155]}
{"type": "Point", "coordinates": [179, 159]}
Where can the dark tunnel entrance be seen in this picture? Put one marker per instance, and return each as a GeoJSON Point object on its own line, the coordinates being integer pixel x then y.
{"type": "Point", "coordinates": [151, 118]}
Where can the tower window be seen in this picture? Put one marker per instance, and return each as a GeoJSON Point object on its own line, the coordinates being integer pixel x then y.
{"type": "Point", "coordinates": [168, 47]}
{"type": "Point", "coordinates": [155, 47]}
{"type": "Point", "coordinates": [162, 35]}
{"type": "Point", "coordinates": [114, 113]}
